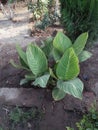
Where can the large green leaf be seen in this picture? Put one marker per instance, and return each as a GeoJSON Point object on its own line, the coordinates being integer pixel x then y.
{"type": "Point", "coordinates": [80, 42]}
{"type": "Point", "coordinates": [22, 54]}
{"type": "Point", "coordinates": [73, 87]}
{"type": "Point", "coordinates": [42, 81]}
{"type": "Point", "coordinates": [68, 66]}
{"type": "Point", "coordinates": [37, 60]}
{"type": "Point", "coordinates": [61, 42]}
{"type": "Point", "coordinates": [84, 55]}
{"type": "Point", "coordinates": [58, 94]}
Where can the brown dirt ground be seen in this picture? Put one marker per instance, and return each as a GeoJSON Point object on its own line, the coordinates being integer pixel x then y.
{"type": "Point", "coordinates": [55, 117]}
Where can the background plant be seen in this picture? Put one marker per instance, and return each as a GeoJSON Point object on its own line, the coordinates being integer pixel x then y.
{"type": "Point", "coordinates": [45, 12]}
{"type": "Point", "coordinates": [38, 8]}
{"type": "Point", "coordinates": [18, 115]}
{"type": "Point", "coordinates": [79, 16]}
{"type": "Point", "coordinates": [55, 63]}
{"type": "Point", "coordinates": [22, 116]}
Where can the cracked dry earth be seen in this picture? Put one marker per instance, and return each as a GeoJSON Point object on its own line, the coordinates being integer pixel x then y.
{"type": "Point", "coordinates": [57, 115]}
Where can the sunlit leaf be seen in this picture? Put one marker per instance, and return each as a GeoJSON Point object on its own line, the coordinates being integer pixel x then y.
{"type": "Point", "coordinates": [37, 60]}
{"type": "Point", "coordinates": [68, 66]}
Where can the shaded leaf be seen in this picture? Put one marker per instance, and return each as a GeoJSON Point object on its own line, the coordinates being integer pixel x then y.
{"type": "Point", "coordinates": [22, 54]}
{"type": "Point", "coordinates": [23, 81]}
{"type": "Point", "coordinates": [56, 54]}
{"type": "Point", "coordinates": [84, 55]}
{"type": "Point", "coordinates": [68, 66]}
{"type": "Point", "coordinates": [58, 94]}
{"type": "Point", "coordinates": [52, 74]}
{"type": "Point", "coordinates": [30, 77]}
{"type": "Point", "coordinates": [80, 43]}
{"type": "Point", "coordinates": [61, 42]}
{"type": "Point", "coordinates": [23, 63]}
{"type": "Point", "coordinates": [73, 87]}
{"type": "Point", "coordinates": [47, 46]}
{"type": "Point", "coordinates": [18, 66]}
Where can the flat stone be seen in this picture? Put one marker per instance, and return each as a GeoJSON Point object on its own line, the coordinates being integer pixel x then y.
{"type": "Point", "coordinates": [21, 96]}
{"type": "Point", "coordinates": [29, 97]}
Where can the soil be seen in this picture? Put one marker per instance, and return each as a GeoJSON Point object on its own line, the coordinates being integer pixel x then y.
{"type": "Point", "coordinates": [56, 116]}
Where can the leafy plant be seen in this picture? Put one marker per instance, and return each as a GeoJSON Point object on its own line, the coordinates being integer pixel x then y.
{"type": "Point", "coordinates": [38, 8]}
{"type": "Point", "coordinates": [1, 128]}
{"type": "Point", "coordinates": [50, 17]}
{"type": "Point", "coordinates": [55, 63]}
{"type": "Point", "coordinates": [79, 16]}
{"type": "Point", "coordinates": [44, 11]}
{"type": "Point", "coordinates": [89, 121]}
{"type": "Point", "coordinates": [18, 115]}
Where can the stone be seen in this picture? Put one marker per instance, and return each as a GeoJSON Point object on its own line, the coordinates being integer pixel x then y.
{"type": "Point", "coordinates": [21, 96]}
{"type": "Point", "coordinates": [95, 90]}
{"type": "Point", "coordinates": [29, 97]}
{"type": "Point", "coordinates": [73, 104]}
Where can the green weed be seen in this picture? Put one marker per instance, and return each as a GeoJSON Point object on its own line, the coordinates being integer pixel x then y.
{"type": "Point", "coordinates": [89, 121]}
{"type": "Point", "coordinates": [1, 128]}
{"type": "Point", "coordinates": [18, 115]}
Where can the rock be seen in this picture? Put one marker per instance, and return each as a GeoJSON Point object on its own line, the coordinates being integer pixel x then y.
{"type": "Point", "coordinates": [88, 99]}
{"type": "Point", "coordinates": [21, 96]}
{"type": "Point", "coordinates": [95, 90]}
{"type": "Point", "coordinates": [71, 103]}
{"type": "Point", "coordinates": [29, 97]}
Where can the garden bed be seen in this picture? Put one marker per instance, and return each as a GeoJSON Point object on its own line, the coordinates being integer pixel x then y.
{"type": "Point", "coordinates": [57, 115]}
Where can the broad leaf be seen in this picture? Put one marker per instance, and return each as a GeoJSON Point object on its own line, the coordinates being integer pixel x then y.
{"type": "Point", "coordinates": [42, 81]}
{"type": "Point", "coordinates": [84, 55]}
{"type": "Point", "coordinates": [37, 60]}
{"type": "Point", "coordinates": [80, 42]}
{"type": "Point", "coordinates": [68, 66]}
{"type": "Point", "coordinates": [22, 54]}
{"type": "Point", "coordinates": [61, 42]}
{"type": "Point", "coordinates": [73, 87]}
{"type": "Point", "coordinates": [56, 54]}
{"type": "Point", "coordinates": [58, 94]}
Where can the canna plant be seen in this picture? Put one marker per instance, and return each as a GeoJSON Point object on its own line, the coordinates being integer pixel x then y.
{"type": "Point", "coordinates": [55, 63]}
